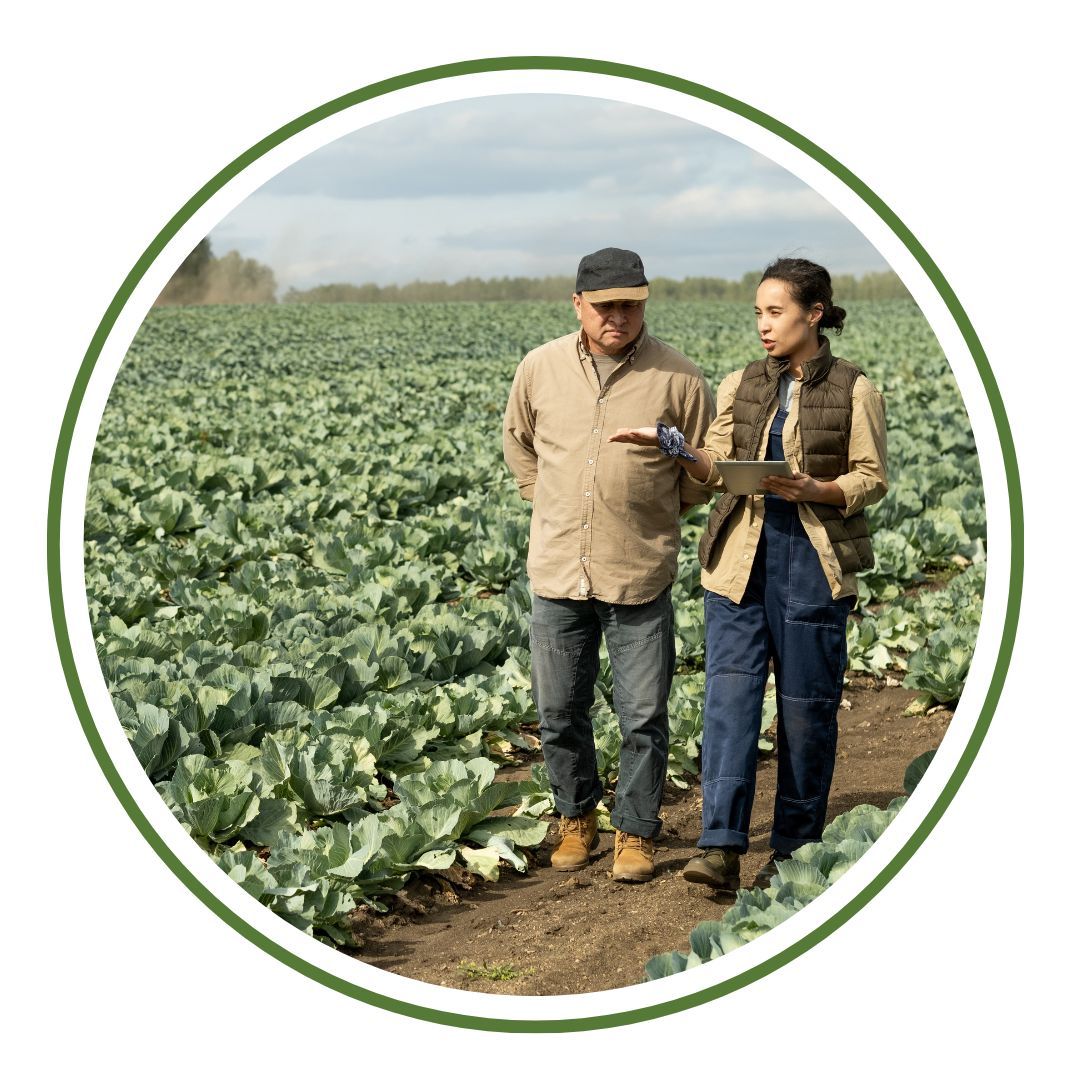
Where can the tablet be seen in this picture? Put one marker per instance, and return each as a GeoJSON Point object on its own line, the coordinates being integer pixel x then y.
{"type": "Point", "coordinates": [744, 477]}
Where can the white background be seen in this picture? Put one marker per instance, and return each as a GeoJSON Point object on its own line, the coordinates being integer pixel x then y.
{"type": "Point", "coordinates": [959, 119]}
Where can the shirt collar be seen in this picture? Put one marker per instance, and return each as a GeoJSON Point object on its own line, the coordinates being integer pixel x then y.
{"type": "Point", "coordinates": [635, 346]}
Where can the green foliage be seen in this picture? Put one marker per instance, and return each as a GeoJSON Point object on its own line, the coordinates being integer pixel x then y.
{"type": "Point", "coordinates": [940, 669]}
{"type": "Point", "coordinates": [916, 770]}
{"type": "Point", "coordinates": [930, 633]}
{"type": "Point", "coordinates": [213, 801]}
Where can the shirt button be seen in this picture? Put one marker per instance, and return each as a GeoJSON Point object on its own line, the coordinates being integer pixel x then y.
{"type": "Point", "coordinates": [584, 558]}
{"type": "Point", "coordinates": [596, 431]}
{"type": "Point", "coordinates": [746, 556]}
{"type": "Point", "coordinates": [586, 525]}
{"type": "Point", "coordinates": [590, 461]}
{"type": "Point", "coordinates": [587, 494]}
{"type": "Point", "coordinates": [602, 401]}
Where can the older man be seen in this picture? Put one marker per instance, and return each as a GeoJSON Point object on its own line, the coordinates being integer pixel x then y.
{"type": "Point", "coordinates": [603, 547]}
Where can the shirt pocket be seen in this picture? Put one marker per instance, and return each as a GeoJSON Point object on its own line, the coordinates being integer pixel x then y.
{"type": "Point", "coordinates": [648, 482]}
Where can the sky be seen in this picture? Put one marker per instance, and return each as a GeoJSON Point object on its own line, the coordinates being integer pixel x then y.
{"type": "Point", "coordinates": [524, 185]}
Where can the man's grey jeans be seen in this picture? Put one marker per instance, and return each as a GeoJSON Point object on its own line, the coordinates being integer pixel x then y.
{"type": "Point", "coordinates": [565, 641]}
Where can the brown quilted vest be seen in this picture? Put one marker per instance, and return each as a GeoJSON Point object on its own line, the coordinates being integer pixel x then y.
{"type": "Point", "coordinates": [824, 428]}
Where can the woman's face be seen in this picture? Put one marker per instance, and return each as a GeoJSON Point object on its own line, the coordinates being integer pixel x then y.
{"type": "Point", "coordinates": [785, 327]}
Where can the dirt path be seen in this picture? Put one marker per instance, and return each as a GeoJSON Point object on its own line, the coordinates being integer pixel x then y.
{"type": "Point", "coordinates": [545, 932]}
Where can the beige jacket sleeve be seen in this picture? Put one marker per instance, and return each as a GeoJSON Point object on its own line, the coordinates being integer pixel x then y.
{"type": "Point", "coordinates": [866, 480]}
{"type": "Point", "coordinates": [698, 415]}
{"type": "Point", "coordinates": [518, 431]}
{"type": "Point", "coordinates": [719, 442]}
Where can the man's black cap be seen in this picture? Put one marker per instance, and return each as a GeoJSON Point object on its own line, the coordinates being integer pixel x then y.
{"type": "Point", "coordinates": [611, 274]}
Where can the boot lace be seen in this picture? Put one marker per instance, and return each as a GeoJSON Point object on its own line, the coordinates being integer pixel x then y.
{"type": "Point", "coordinates": [576, 826]}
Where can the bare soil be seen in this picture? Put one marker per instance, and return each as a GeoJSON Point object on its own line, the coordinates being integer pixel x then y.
{"type": "Point", "coordinates": [545, 932]}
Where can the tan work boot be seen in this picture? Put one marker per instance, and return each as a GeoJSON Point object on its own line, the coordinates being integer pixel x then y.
{"type": "Point", "coordinates": [577, 837]}
{"type": "Point", "coordinates": [633, 857]}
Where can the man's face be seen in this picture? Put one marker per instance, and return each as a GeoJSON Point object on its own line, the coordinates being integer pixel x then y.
{"type": "Point", "coordinates": [610, 326]}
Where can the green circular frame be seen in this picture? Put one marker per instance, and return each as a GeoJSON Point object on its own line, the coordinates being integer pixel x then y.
{"type": "Point", "coordinates": [432, 74]}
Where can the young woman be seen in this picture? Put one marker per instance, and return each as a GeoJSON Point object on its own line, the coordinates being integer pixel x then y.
{"type": "Point", "coordinates": [779, 567]}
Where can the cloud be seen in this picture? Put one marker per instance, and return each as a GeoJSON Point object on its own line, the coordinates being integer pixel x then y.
{"type": "Point", "coordinates": [717, 203]}
{"type": "Point", "coordinates": [523, 185]}
{"type": "Point", "coordinates": [512, 144]}
{"type": "Point", "coordinates": [689, 247]}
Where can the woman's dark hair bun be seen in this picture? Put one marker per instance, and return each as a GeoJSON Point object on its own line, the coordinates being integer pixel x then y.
{"type": "Point", "coordinates": [809, 284]}
{"type": "Point", "coordinates": [833, 319]}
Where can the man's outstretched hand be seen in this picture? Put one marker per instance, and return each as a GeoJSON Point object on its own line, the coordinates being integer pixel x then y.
{"type": "Point", "coordinates": [639, 436]}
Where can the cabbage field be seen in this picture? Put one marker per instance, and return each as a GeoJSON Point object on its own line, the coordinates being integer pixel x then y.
{"type": "Point", "coordinates": [305, 576]}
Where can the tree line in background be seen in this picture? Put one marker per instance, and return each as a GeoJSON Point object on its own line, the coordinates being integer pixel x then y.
{"type": "Point", "coordinates": [883, 285]}
{"type": "Point", "coordinates": [203, 278]}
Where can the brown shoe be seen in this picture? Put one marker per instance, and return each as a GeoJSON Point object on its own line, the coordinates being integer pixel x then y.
{"type": "Point", "coordinates": [577, 837]}
{"type": "Point", "coordinates": [715, 867]}
{"type": "Point", "coordinates": [633, 857]}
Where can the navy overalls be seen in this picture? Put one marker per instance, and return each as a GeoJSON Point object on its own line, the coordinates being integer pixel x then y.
{"type": "Point", "coordinates": [787, 615]}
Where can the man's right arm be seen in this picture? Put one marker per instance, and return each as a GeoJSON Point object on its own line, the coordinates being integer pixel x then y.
{"type": "Point", "coordinates": [718, 443]}
{"type": "Point", "coordinates": [518, 434]}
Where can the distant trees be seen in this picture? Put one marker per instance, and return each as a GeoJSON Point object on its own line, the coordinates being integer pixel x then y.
{"type": "Point", "coordinates": [470, 288]}
{"type": "Point", "coordinates": [203, 278]}
{"type": "Point", "coordinates": [706, 288]}
{"type": "Point", "coordinates": [186, 285]}
{"type": "Point", "coordinates": [883, 285]}
{"type": "Point", "coordinates": [874, 286]}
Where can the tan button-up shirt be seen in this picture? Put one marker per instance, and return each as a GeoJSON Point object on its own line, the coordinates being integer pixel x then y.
{"type": "Point", "coordinates": [605, 518]}
{"type": "Point", "coordinates": [864, 483]}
